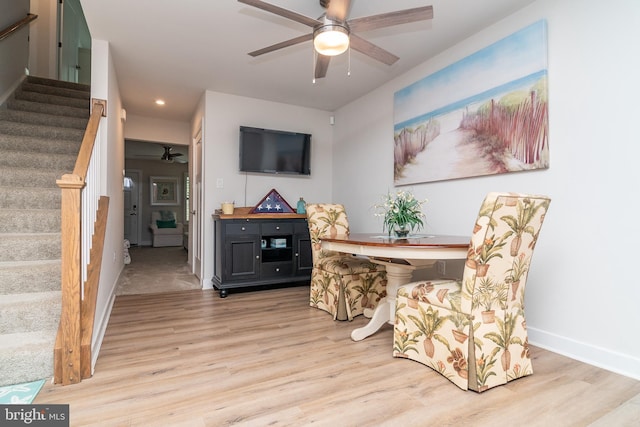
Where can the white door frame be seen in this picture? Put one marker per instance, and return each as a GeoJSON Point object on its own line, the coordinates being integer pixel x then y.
{"type": "Point", "coordinates": [196, 224]}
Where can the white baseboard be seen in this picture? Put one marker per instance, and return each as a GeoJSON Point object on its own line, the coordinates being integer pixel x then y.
{"type": "Point", "coordinates": [101, 327]}
{"type": "Point", "coordinates": [619, 363]}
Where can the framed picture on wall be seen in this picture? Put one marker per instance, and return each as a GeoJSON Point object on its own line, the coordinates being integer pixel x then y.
{"type": "Point", "coordinates": [164, 190]}
{"type": "Point", "coordinates": [484, 114]}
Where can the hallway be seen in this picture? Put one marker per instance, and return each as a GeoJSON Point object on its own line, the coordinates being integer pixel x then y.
{"type": "Point", "coordinates": [154, 270]}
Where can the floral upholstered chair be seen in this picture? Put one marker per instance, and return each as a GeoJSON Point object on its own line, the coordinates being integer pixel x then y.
{"type": "Point", "coordinates": [341, 284]}
{"type": "Point", "coordinates": [473, 331]}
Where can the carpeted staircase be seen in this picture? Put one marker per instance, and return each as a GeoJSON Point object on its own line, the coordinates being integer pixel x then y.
{"type": "Point", "coordinates": [41, 129]}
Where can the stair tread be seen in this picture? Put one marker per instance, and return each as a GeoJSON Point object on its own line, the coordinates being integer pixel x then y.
{"type": "Point", "coordinates": [66, 92]}
{"type": "Point", "coordinates": [26, 339]}
{"type": "Point", "coordinates": [27, 264]}
{"type": "Point", "coordinates": [39, 107]}
{"type": "Point", "coordinates": [31, 197]}
{"type": "Point", "coordinates": [70, 144]}
{"type": "Point", "coordinates": [35, 171]}
{"type": "Point", "coordinates": [58, 83]}
{"type": "Point", "coordinates": [13, 299]}
{"type": "Point", "coordinates": [44, 119]}
{"type": "Point", "coordinates": [43, 211]}
{"type": "Point", "coordinates": [52, 99]}
{"type": "Point", "coordinates": [15, 158]}
{"type": "Point", "coordinates": [16, 150]}
{"type": "Point", "coordinates": [31, 177]}
{"type": "Point", "coordinates": [21, 277]}
{"type": "Point", "coordinates": [41, 131]}
{"type": "Point", "coordinates": [35, 235]}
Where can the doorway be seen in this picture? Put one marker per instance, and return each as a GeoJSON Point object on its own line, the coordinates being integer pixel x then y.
{"type": "Point", "coordinates": [164, 268]}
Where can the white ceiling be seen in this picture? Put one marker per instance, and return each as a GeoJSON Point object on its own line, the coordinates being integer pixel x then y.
{"type": "Point", "coordinates": [177, 50]}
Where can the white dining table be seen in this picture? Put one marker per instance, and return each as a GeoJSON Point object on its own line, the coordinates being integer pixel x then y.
{"type": "Point", "coordinates": [400, 258]}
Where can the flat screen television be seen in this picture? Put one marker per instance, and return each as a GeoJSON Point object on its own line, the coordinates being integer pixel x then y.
{"type": "Point", "coordinates": [274, 151]}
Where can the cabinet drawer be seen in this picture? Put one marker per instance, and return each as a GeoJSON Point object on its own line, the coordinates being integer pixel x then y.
{"type": "Point", "coordinates": [244, 228]}
{"type": "Point", "coordinates": [274, 228]}
{"type": "Point", "coordinates": [276, 269]}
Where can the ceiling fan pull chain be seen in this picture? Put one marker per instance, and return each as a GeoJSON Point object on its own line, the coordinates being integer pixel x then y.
{"type": "Point", "coordinates": [349, 63]}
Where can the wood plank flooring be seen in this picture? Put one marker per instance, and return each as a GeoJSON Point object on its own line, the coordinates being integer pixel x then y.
{"type": "Point", "coordinates": [264, 358]}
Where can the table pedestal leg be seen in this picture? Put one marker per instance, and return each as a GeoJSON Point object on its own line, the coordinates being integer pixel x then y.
{"type": "Point", "coordinates": [385, 312]}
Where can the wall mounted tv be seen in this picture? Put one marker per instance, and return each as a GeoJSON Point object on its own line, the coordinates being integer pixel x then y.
{"type": "Point", "coordinates": [274, 151]}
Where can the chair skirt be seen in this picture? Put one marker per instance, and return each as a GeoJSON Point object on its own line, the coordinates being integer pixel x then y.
{"type": "Point", "coordinates": [345, 286]}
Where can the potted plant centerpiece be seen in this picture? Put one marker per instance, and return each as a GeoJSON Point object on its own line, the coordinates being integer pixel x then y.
{"type": "Point", "coordinates": [401, 213]}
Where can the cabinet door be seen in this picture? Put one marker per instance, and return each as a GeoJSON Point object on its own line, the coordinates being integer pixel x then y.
{"type": "Point", "coordinates": [302, 246]}
{"type": "Point", "coordinates": [242, 257]}
{"type": "Point", "coordinates": [303, 256]}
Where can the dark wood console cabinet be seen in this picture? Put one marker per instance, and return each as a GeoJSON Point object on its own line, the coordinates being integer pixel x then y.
{"type": "Point", "coordinates": [260, 249]}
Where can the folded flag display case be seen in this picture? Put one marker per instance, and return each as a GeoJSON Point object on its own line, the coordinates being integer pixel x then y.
{"type": "Point", "coordinates": [272, 203]}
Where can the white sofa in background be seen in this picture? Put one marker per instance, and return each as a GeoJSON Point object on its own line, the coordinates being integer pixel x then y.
{"type": "Point", "coordinates": [171, 236]}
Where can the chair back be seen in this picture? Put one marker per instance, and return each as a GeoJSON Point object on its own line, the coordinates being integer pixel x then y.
{"type": "Point", "coordinates": [500, 252]}
{"type": "Point", "coordinates": [493, 286]}
{"type": "Point", "coordinates": [163, 215]}
{"type": "Point", "coordinates": [325, 220]}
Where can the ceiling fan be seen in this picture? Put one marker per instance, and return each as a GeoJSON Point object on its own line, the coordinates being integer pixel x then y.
{"type": "Point", "coordinates": [168, 156]}
{"type": "Point", "coordinates": [333, 33]}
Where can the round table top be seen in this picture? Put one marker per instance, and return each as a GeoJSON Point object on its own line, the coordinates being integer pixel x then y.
{"type": "Point", "coordinates": [413, 240]}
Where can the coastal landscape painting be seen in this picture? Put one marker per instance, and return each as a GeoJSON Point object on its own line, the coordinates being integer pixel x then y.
{"type": "Point", "coordinates": [485, 114]}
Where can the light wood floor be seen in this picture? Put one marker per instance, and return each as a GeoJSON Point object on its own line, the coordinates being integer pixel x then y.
{"type": "Point", "coordinates": [263, 358]}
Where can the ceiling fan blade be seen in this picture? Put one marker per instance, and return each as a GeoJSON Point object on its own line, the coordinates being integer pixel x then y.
{"type": "Point", "coordinates": [338, 9]}
{"type": "Point", "coordinates": [406, 16]}
{"type": "Point", "coordinates": [322, 64]}
{"type": "Point", "coordinates": [282, 12]}
{"type": "Point", "coordinates": [281, 45]}
{"type": "Point", "coordinates": [370, 49]}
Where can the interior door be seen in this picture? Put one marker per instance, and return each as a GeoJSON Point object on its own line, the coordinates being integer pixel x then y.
{"type": "Point", "coordinates": [75, 40]}
{"type": "Point", "coordinates": [132, 206]}
{"type": "Point", "coordinates": [84, 66]}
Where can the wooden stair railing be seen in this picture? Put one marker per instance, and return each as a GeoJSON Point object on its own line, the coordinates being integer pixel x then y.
{"type": "Point", "coordinates": [73, 341]}
{"type": "Point", "coordinates": [6, 32]}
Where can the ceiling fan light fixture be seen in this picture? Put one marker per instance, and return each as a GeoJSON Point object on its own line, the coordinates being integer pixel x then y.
{"type": "Point", "coordinates": [331, 39]}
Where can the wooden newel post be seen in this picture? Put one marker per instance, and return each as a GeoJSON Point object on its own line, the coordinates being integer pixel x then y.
{"type": "Point", "coordinates": [67, 369]}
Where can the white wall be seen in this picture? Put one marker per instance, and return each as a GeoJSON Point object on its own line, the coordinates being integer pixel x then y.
{"type": "Point", "coordinates": [157, 130]}
{"type": "Point", "coordinates": [14, 50]}
{"type": "Point", "coordinates": [104, 85]}
{"type": "Point", "coordinates": [582, 294]}
{"type": "Point", "coordinates": [223, 115]}
{"type": "Point", "coordinates": [43, 39]}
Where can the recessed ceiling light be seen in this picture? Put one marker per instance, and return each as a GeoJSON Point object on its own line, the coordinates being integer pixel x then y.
{"type": "Point", "coordinates": [160, 101]}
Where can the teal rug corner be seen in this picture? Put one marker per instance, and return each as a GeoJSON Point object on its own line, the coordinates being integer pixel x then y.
{"type": "Point", "coordinates": [20, 394]}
